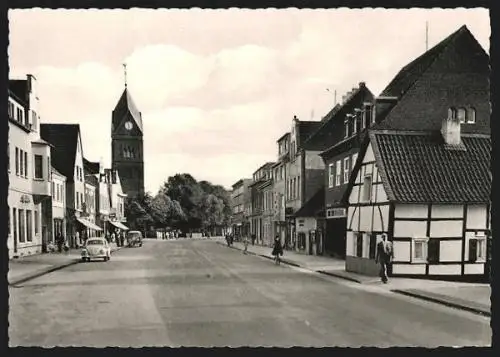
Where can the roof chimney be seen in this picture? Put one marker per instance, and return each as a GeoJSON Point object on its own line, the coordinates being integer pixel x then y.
{"type": "Point", "coordinates": [362, 84]}
{"type": "Point", "coordinates": [450, 130]}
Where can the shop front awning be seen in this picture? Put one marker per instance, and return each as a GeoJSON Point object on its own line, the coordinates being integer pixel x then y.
{"type": "Point", "coordinates": [119, 225]}
{"type": "Point", "coordinates": [89, 224]}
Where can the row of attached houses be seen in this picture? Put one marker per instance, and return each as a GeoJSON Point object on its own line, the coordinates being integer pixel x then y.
{"type": "Point", "coordinates": [53, 190]}
{"type": "Point", "coordinates": [412, 163]}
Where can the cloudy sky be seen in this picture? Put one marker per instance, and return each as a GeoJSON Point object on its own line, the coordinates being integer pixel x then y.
{"type": "Point", "coordinates": [216, 88]}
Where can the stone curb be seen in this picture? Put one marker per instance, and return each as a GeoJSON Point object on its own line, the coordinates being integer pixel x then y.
{"type": "Point", "coordinates": [37, 274]}
{"type": "Point", "coordinates": [444, 302]}
{"type": "Point", "coordinates": [341, 276]}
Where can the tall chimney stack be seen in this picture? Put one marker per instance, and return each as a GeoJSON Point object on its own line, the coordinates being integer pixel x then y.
{"type": "Point", "coordinates": [450, 130]}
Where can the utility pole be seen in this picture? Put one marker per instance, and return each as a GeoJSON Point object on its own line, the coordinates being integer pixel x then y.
{"type": "Point", "coordinates": [426, 35]}
{"type": "Point", "coordinates": [125, 73]}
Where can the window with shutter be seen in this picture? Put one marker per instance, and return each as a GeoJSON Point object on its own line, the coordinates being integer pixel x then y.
{"type": "Point", "coordinates": [472, 250]}
{"type": "Point", "coordinates": [433, 251]}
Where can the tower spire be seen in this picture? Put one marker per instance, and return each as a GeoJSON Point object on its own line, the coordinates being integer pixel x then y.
{"type": "Point", "coordinates": [125, 73]}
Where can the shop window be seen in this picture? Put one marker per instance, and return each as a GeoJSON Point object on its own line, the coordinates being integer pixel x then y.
{"type": "Point", "coordinates": [14, 223]}
{"type": "Point", "coordinates": [22, 228]}
{"type": "Point", "coordinates": [29, 226]}
{"type": "Point", "coordinates": [37, 223]}
{"type": "Point", "coordinates": [433, 247]}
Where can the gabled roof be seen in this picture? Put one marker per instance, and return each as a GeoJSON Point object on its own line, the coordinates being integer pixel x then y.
{"type": "Point", "coordinates": [64, 138]}
{"type": "Point", "coordinates": [126, 103]}
{"type": "Point", "coordinates": [431, 64]}
{"type": "Point", "coordinates": [92, 180]}
{"type": "Point", "coordinates": [327, 134]}
{"type": "Point", "coordinates": [315, 204]}
{"type": "Point", "coordinates": [417, 167]}
{"type": "Point", "coordinates": [20, 89]}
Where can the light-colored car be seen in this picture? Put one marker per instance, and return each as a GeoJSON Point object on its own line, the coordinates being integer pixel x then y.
{"type": "Point", "coordinates": [96, 248]}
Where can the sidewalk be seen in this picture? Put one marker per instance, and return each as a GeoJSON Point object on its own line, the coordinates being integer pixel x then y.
{"type": "Point", "coordinates": [33, 266]}
{"type": "Point", "coordinates": [474, 297]}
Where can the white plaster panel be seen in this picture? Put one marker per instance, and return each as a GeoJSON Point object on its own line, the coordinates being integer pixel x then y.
{"type": "Point", "coordinates": [375, 173]}
{"type": "Point", "coordinates": [369, 156]}
{"type": "Point", "coordinates": [349, 244]}
{"type": "Point", "coordinates": [446, 229]}
{"type": "Point", "coordinates": [365, 218]}
{"type": "Point", "coordinates": [448, 269]}
{"type": "Point", "coordinates": [450, 250]}
{"type": "Point", "coordinates": [355, 219]}
{"type": "Point", "coordinates": [474, 268]}
{"type": "Point", "coordinates": [369, 170]}
{"type": "Point", "coordinates": [381, 195]}
{"type": "Point", "coordinates": [410, 229]}
{"type": "Point", "coordinates": [476, 217]}
{"type": "Point", "coordinates": [381, 218]}
{"type": "Point", "coordinates": [447, 211]}
{"type": "Point", "coordinates": [354, 196]}
{"type": "Point", "coordinates": [366, 245]}
{"type": "Point", "coordinates": [401, 251]}
{"type": "Point", "coordinates": [411, 211]}
{"type": "Point", "coordinates": [417, 269]}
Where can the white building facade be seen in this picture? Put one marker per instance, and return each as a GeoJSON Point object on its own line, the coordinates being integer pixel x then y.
{"type": "Point", "coordinates": [29, 170]}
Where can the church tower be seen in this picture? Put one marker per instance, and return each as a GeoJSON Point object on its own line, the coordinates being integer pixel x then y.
{"type": "Point", "coordinates": [127, 154]}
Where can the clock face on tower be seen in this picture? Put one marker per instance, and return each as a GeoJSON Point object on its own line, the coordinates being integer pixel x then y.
{"type": "Point", "coordinates": [128, 125]}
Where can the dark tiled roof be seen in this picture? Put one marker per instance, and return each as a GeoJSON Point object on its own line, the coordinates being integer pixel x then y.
{"type": "Point", "coordinates": [314, 206]}
{"type": "Point", "coordinates": [91, 167]}
{"type": "Point", "coordinates": [64, 138]}
{"type": "Point", "coordinates": [20, 89]}
{"type": "Point", "coordinates": [126, 103]}
{"type": "Point", "coordinates": [92, 180]}
{"type": "Point", "coordinates": [419, 168]}
{"type": "Point", "coordinates": [437, 69]}
{"type": "Point", "coordinates": [331, 130]}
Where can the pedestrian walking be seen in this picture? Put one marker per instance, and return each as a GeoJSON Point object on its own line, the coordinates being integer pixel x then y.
{"type": "Point", "coordinates": [384, 255]}
{"type": "Point", "coordinates": [277, 249]}
{"type": "Point", "coordinates": [59, 242]}
{"type": "Point", "coordinates": [245, 243]}
{"type": "Point", "coordinates": [253, 239]}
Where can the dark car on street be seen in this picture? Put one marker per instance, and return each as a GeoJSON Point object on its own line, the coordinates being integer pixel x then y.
{"type": "Point", "coordinates": [134, 239]}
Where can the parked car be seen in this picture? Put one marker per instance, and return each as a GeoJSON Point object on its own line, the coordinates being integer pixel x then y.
{"type": "Point", "coordinates": [134, 238]}
{"type": "Point", "coordinates": [96, 248]}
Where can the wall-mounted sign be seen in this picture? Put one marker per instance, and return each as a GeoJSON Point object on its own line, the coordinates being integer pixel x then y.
{"type": "Point", "coordinates": [336, 213]}
{"type": "Point", "coordinates": [25, 199]}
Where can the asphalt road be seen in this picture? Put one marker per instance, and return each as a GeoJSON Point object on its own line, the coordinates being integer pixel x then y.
{"type": "Point", "coordinates": [199, 293]}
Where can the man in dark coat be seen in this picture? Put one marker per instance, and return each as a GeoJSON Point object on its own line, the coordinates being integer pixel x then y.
{"type": "Point", "coordinates": [384, 255]}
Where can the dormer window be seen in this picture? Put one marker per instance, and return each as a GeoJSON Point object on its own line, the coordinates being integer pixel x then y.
{"type": "Point", "coordinates": [471, 116]}
{"type": "Point", "coordinates": [461, 115]}
{"type": "Point", "coordinates": [355, 122]}
{"type": "Point", "coordinates": [346, 128]}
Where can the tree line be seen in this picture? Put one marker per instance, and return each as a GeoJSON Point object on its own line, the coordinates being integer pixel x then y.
{"type": "Point", "coordinates": [182, 203]}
